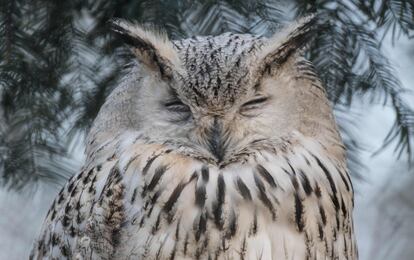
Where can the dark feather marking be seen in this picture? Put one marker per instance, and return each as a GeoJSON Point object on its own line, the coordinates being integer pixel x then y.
{"type": "Point", "coordinates": [52, 217]}
{"type": "Point", "coordinates": [70, 186]}
{"type": "Point", "coordinates": [343, 208]}
{"type": "Point", "coordinates": [349, 180]}
{"type": "Point", "coordinates": [200, 196]}
{"type": "Point", "coordinates": [52, 207]}
{"type": "Point", "coordinates": [186, 244]}
{"type": "Point", "coordinates": [306, 160]}
{"type": "Point", "coordinates": [323, 215]}
{"type": "Point", "coordinates": [294, 182]}
{"type": "Point", "coordinates": [320, 230]}
{"type": "Point", "coordinates": [177, 230]}
{"type": "Point", "coordinates": [198, 253]}
{"type": "Point", "coordinates": [142, 221]}
{"type": "Point", "coordinates": [252, 48]}
{"type": "Point", "coordinates": [114, 175]}
{"type": "Point", "coordinates": [145, 252]}
{"type": "Point", "coordinates": [173, 198]}
{"type": "Point", "coordinates": [205, 243]}
{"type": "Point", "coordinates": [131, 160]}
{"type": "Point", "coordinates": [305, 183]}
{"type": "Point", "coordinates": [200, 226]}
{"type": "Point", "coordinates": [155, 179]}
{"type": "Point", "coordinates": [193, 177]}
{"type": "Point", "coordinates": [243, 249]}
{"type": "Point", "coordinates": [111, 158]}
{"type": "Point", "coordinates": [343, 179]}
{"type": "Point", "coordinates": [78, 205]}
{"type": "Point", "coordinates": [65, 221]}
{"type": "Point", "coordinates": [158, 255]}
{"type": "Point", "coordinates": [205, 173]}
{"type": "Point", "coordinates": [218, 205]}
{"type": "Point", "coordinates": [64, 250]}
{"type": "Point", "coordinates": [79, 219]}
{"type": "Point", "coordinates": [266, 175]}
{"type": "Point", "coordinates": [335, 202]}
{"type": "Point", "coordinates": [326, 245]}
{"type": "Point", "coordinates": [330, 180]}
{"type": "Point", "coordinates": [290, 166]}
{"type": "Point", "coordinates": [243, 189]}
{"type": "Point", "coordinates": [253, 228]}
{"type": "Point", "coordinates": [285, 171]}
{"type": "Point", "coordinates": [149, 163]}
{"type": "Point", "coordinates": [156, 227]}
{"type": "Point", "coordinates": [87, 177]}
{"type": "Point", "coordinates": [152, 202]}
{"type": "Point", "coordinates": [217, 254]}
{"type": "Point", "coordinates": [228, 43]}
{"type": "Point", "coordinates": [115, 215]}
{"type": "Point", "coordinates": [308, 242]}
{"type": "Point", "coordinates": [61, 197]}
{"type": "Point", "coordinates": [172, 255]}
{"type": "Point", "coordinates": [91, 187]}
{"type": "Point", "coordinates": [79, 175]}
{"type": "Point", "coordinates": [71, 231]}
{"type": "Point", "coordinates": [352, 245]}
{"type": "Point", "coordinates": [345, 246]}
{"type": "Point", "coordinates": [299, 212]}
{"type": "Point", "coordinates": [108, 193]}
{"type": "Point", "coordinates": [338, 224]}
{"type": "Point", "coordinates": [232, 228]}
{"type": "Point", "coordinates": [263, 197]}
{"type": "Point", "coordinates": [68, 208]}
{"type": "Point", "coordinates": [74, 192]}
{"type": "Point", "coordinates": [54, 239]}
{"type": "Point", "coordinates": [318, 191]}
{"type": "Point", "coordinates": [224, 247]}
{"type": "Point", "coordinates": [134, 194]}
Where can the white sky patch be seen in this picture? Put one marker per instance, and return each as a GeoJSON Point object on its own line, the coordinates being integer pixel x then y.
{"type": "Point", "coordinates": [385, 173]}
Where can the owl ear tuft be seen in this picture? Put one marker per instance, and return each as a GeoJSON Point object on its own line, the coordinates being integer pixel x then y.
{"type": "Point", "coordinates": [287, 42]}
{"type": "Point", "coordinates": [153, 49]}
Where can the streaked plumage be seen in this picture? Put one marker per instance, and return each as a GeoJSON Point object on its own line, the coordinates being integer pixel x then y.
{"type": "Point", "coordinates": [212, 148]}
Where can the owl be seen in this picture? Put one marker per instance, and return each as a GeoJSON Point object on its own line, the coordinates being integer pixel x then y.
{"type": "Point", "coordinates": [213, 147]}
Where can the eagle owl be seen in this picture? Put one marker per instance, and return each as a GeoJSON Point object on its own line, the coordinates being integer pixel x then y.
{"type": "Point", "coordinates": [215, 147]}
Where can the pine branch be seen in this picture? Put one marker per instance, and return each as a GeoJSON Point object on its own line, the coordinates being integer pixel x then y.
{"type": "Point", "coordinates": [349, 60]}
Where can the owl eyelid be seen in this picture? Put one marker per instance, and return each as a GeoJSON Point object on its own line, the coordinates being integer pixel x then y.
{"type": "Point", "coordinates": [177, 106]}
{"type": "Point", "coordinates": [254, 102]}
{"type": "Point", "coordinates": [173, 103]}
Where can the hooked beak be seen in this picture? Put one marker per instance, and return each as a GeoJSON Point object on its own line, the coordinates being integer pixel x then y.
{"type": "Point", "coordinates": [216, 140]}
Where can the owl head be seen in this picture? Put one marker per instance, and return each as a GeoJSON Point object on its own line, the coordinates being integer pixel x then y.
{"type": "Point", "coordinates": [219, 96]}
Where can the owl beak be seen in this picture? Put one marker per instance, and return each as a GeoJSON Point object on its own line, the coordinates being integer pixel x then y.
{"type": "Point", "coordinates": [215, 140]}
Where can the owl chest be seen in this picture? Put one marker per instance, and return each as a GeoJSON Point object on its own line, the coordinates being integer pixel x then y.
{"type": "Point", "coordinates": [246, 213]}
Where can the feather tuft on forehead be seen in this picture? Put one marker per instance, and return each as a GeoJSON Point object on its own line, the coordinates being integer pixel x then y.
{"type": "Point", "coordinates": [285, 43]}
{"type": "Point", "coordinates": [151, 47]}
